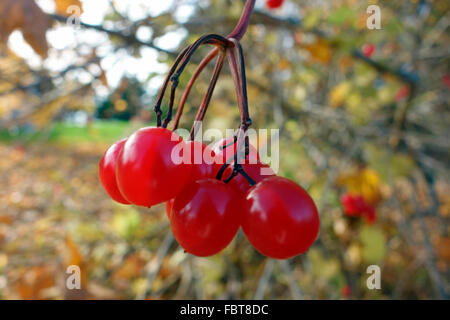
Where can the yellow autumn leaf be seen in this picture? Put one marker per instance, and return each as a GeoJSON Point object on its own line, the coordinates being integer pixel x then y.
{"type": "Point", "coordinates": [284, 64]}
{"type": "Point", "coordinates": [365, 182]}
{"type": "Point", "coordinates": [63, 5]}
{"type": "Point", "coordinates": [319, 50]}
{"type": "Point", "coordinates": [120, 105]}
{"type": "Point", "coordinates": [345, 62]}
{"type": "Point", "coordinates": [338, 94]}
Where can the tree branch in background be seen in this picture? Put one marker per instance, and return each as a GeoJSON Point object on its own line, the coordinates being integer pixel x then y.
{"type": "Point", "coordinates": [129, 38]}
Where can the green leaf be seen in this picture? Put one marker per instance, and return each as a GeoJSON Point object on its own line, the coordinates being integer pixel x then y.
{"type": "Point", "coordinates": [402, 165]}
{"type": "Point", "coordinates": [341, 16]}
{"type": "Point", "coordinates": [373, 244]}
{"type": "Point", "coordinates": [312, 19]}
{"type": "Point", "coordinates": [126, 223]}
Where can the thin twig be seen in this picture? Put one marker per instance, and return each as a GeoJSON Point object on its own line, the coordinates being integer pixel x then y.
{"type": "Point", "coordinates": [264, 279]}
{"type": "Point", "coordinates": [154, 265]}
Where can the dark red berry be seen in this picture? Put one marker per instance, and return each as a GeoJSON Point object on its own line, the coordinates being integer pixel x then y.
{"type": "Point", "coordinates": [274, 4]}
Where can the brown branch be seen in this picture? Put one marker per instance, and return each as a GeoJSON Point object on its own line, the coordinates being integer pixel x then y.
{"type": "Point", "coordinates": [128, 38]}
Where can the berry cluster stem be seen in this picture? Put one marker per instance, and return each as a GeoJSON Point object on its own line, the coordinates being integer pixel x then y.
{"type": "Point", "coordinates": [205, 103]}
{"type": "Point", "coordinates": [225, 47]}
{"type": "Point", "coordinates": [206, 60]}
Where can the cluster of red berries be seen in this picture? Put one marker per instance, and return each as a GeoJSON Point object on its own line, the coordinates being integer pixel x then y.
{"type": "Point", "coordinates": [357, 206]}
{"type": "Point", "coordinates": [274, 4]}
{"type": "Point", "coordinates": [278, 217]}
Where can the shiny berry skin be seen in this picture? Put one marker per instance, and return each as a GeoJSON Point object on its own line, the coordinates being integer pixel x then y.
{"type": "Point", "coordinates": [274, 4]}
{"type": "Point", "coordinates": [146, 173]}
{"type": "Point", "coordinates": [203, 161]}
{"type": "Point", "coordinates": [224, 154]}
{"type": "Point", "coordinates": [107, 171]}
{"type": "Point", "coordinates": [203, 166]}
{"type": "Point", "coordinates": [280, 219]}
{"type": "Point", "coordinates": [240, 185]}
{"type": "Point", "coordinates": [205, 217]}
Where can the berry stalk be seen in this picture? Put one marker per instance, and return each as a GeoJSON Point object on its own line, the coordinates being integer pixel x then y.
{"type": "Point", "coordinates": [211, 55]}
{"type": "Point", "coordinates": [205, 103]}
{"type": "Point", "coordinates": [244, 21]}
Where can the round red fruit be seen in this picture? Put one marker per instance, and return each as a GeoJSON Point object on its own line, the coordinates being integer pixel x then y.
{"type": "Point", "coordinates": [225, 150]}
{"type": "Point", "coordinates": [280, 218]}
{"type": "Point", "coordinates": [150, 168]}
{"type": "Point", "coordinates": [274, 4]}
{"type": "Point", "coordinates": [107, 172]}
{"type": "Point", "coordinates": [257, 172]}
{"type": "Point", "coordinates": [205, 217]}
{"type": "Point", "coordinates": [202, 159]}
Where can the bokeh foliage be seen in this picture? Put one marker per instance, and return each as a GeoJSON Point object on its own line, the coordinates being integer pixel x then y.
{"type": "Point", "coordinates": [373, 124]}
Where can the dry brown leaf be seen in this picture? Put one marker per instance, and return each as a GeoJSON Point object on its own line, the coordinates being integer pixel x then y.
{"type": "Point", "coordinates": [34, 281]}
{"type": "Point", "coordinates": [443, 248]}
{"type": "Point", "coordinates": [103, 79]}
{"type": "Point", "coordinates": [6, 219]}
{"type": "Point", "coordinates": [25, 15]}
{"type": "Point", "coordinates": [63, 5]}
{"type": "Point", "coordinates": [131, 267]}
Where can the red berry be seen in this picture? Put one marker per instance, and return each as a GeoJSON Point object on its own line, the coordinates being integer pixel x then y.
{"type": "Point", "coordinates": [240, 184]}
{"type": "Point", "coordinates": [280, 218]}
{"type": "Point", "coordinates": [147, 174]}
{"type": "Point", "coordinates": [202, 159]}
{"type": "Point", "coordinates": [107, 171]}
{"type": "Point", "coordinates": [273, 4]}
{"type": "Point", "coordinates": [203, 166]}
{"type": "Point", "coordinates": [227, 153]}
{"type": "Point", "coordinates": [356, 206]}
{"type": "Point", "coordinates": [346, 291]}
{"type": "Point", "coordinates": [205, 217]}
{"type": "Point", "coordinates": [368, 50]}
{"type": "Point", "coordinates": [370, 215]}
